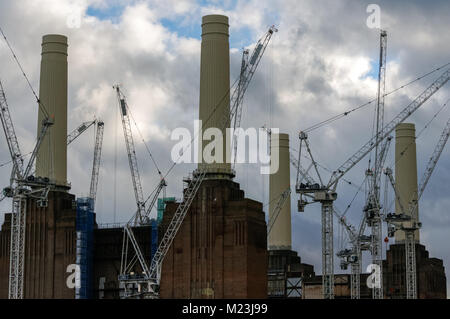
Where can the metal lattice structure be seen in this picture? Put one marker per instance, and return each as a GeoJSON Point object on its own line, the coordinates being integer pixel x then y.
{"type": "Point", "coordinates": [410, 242]}
{"type": "Point", "coordinates": [21, 189]}
{"type": "Point", "coordinates": [327, 250]}
{"type": "Point", "coordinates": [248, 69]}
{"type": "Point", "coordinates": [131, 152]}
{"type": "Point", "coordinates": [353, 256]}
{"type": "Point", "coordinates": [129, 258]}
{"type": "Point", "coordinates": [326, 194]}
{"type": "Point", "coordinates": [11, 138]}
{"type": "Point", "coordinates": [150, 281]}
{"type": "Point", "coordinates": [79, 130]}
{"type": "Point", "coordinates": [25, 189]}
{"type": "Point", "coordinates": [397, 222]}
{"type": "Point", "coordinates": [174, 226]}
{"type": "Point", "coordinates": [389, 128]}
{"type": "Point", "coordinates": [411, 264]}
{"type": "Point", "coordinates": [96, 161]}
{"type": "Point", "coordinates": [17, 249]}
{"type": "Point", "coordinates": [318, 193]}
{"type": "Point", "coordinates": [372, 210]}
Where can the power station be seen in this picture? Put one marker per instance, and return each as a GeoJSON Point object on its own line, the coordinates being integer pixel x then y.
{"type": "Point", "coordinates": [215, 242]}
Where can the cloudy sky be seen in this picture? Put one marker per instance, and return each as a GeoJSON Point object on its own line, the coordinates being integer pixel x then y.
{"type": "Point", "coordinates": [322, 62]}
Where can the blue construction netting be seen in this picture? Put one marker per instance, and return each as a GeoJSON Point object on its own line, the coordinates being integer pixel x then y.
{"type": "Point", "coordinates": [162, 206]}
{"type": "Point", "coordinates": [85, 235]}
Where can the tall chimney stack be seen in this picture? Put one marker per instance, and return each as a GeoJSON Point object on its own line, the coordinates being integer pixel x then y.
{"type": "Point", "coordinates": [280, 233]}
{"type": "Point", "coordinates": [51, 160]}
{"type": "Point", "coordinates": [215, 89]}
{"type": "Point", "coordinates": [405, 172]}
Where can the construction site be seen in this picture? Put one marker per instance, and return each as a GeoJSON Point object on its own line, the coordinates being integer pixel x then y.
{"type": "Point", "coordinates": [216, 242]}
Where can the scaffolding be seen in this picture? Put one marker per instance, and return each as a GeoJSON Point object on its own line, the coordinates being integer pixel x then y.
{"type": "Point", "coordinates": [84, 258]}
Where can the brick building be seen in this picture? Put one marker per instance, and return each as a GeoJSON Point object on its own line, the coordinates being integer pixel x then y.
{"type": "Point", "coordinates": [431, 279]}
{"type": "Point", "coordinates": [50, 247]}
{"type": "Point", "coordinates": [220, 250]}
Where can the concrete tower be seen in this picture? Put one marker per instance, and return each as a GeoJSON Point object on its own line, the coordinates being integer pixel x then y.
{"type": "Point", "coordinates": [215, 92]}
{"type": "Point", "coordinates": [405, 170]}
{"type": "Point", "coordinates": [280, 234]}
{"type": "Point", "coordinates": [51, 160]}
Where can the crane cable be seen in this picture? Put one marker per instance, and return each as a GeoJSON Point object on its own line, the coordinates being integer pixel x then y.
{"type": "Point", "coordinates": [196, 135]}
{"type": "Point", "coordinates": [354, 197]}
{"type": "Point", "coordinates": [142, 138]}
{"type": "Point", "coordinates": [339, 116]}
{"type": "Point", "coordinates": [427, 125]}
{"type": "Point", "coordinates": [192, 140]}
{"type": "Point", "coordinates": [40, 104]}
{"type": "Point", "coordinates": [327, 169]}
{"type": "Point", "coordinates": [402, 153]}
{"type": "Point", "coordinates": [164, 176]}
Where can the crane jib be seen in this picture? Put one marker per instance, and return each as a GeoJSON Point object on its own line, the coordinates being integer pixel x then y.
{"type": "Point", "coordinates": [256, 54]}
{"type": "Point", "coordinates": [403, 115]}
{"type": "Point", "coordinates": [123, 107]}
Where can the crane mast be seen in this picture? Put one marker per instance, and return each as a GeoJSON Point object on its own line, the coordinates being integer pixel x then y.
{"type": "Point", "coordinates": [319, 193]}
{"type": "Point", "coordinates": [96, 160]}
{"type": "Point", "coordinates": [372, 208]}
{"type": "Point", "coordinates": [412, 223]}
{"type": "Point", "coordinates": [327, 194]}
{"type": "Point", "coordinates": [131, 151]}
{"type": "Point", "coordinates": [141, 216]}
{"type": "Point", "coordinates": [21, 189]}
{"type": "Point", "coordinates": [353, 256]}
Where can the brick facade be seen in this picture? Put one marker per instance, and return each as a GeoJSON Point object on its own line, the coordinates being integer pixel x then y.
{"type": "Point", "coordinates": [220, 250]}
{"type": "Point", "coordinates": [50, 246]}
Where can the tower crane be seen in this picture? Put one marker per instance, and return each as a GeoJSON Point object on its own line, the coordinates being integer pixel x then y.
{"type": "Point", "coordinates": [141, 216]}
{"type": "Point", "coordinates": [96, 161]}
{"type": "Point", "coordinates": [372, 207]}
{"type": "Point", "coordinates": [319, 193]}
{"type": "Point", "coordinates": [149, 281]}
{"type": "Point", "coordinates": [97, 151]}
{"type": "Point", "coordinates": [132, 159]}
{"type": "Point", "coordinates": [409, 223]}
{"type": "Point", "coordinates": [353, 256]}
{"type": "Point", "coordinates": [248, 69]}
{"type": "Point", "coordinates": [358, 241]}
{"type": "Point", "coordinates": [22, 187]}
{"type": "Point", "coordinates": [326, 194]}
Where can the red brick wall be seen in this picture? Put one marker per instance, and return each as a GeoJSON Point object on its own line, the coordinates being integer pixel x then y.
{"type": "Point", "coordinates": [50, 246]}
{"type": "Point", "coordinates": [220, 249]}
